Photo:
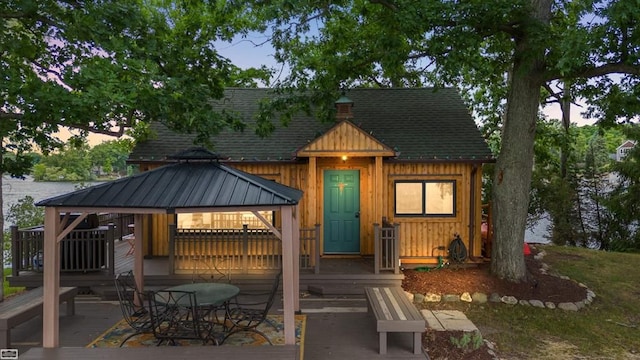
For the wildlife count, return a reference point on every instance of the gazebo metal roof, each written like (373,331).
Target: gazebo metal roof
(197,183)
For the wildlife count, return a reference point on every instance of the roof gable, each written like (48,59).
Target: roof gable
(345,138)
(627,144)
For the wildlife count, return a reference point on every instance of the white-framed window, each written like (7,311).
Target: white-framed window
(425,198)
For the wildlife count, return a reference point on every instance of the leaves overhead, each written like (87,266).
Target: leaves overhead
(110,66)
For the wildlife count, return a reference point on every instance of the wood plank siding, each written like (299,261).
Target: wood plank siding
(421,237)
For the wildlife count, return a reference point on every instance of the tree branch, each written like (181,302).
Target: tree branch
(10,116)
(385,3)
(595,71)
(95,130)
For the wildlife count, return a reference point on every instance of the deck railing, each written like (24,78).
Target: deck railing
(120,223)
(238,250)
(387,247)
(80,251)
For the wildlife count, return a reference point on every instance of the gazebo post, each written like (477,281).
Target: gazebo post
(51,279)
(138,253)
(288,277)
(296,259)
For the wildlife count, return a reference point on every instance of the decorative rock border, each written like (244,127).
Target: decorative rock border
(481,298)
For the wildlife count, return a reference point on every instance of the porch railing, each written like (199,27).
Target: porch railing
(310,248)
(80,251)
(387,247)
(238,250)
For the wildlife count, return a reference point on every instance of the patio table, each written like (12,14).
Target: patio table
(210,297)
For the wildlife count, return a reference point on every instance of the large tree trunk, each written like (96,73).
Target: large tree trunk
(512,178)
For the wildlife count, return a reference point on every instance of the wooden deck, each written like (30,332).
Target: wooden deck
(338,275)
(166,353)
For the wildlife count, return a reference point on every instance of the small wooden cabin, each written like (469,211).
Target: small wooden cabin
(409,157)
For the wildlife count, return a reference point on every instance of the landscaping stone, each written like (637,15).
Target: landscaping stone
(479,297)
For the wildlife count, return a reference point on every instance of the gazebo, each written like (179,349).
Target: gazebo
(196,182)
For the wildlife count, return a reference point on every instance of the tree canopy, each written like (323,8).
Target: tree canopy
(509,59)
(110,67)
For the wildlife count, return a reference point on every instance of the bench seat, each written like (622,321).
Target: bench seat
(22,307)
(395,313)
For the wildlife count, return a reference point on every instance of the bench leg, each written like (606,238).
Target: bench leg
(71,306)
(417,343)
(383,342)
(5,338)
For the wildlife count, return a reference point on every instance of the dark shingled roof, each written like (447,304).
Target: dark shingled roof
(186,184)
(419,124)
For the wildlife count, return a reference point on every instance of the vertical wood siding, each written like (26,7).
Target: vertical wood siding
(420,237)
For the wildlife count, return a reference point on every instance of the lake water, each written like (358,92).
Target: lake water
(16,189)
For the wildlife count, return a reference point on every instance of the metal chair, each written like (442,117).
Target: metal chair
(244,315)
(132,305)
(210,268)
(175,316)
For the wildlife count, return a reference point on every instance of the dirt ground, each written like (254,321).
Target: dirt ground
(457,280)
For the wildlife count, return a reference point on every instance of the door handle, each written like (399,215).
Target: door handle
(357,214)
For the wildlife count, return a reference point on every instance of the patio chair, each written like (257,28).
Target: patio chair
(132,305)
(175,316)
(244,314)
(211,269)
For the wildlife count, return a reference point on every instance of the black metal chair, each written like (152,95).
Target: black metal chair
(244,314)
(132,305)
(175,316)
(207,268)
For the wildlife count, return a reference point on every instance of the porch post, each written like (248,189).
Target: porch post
(376,248)
(288,278)
(51,279)
(312,194)
(379,190)
(396,248)
(317,253)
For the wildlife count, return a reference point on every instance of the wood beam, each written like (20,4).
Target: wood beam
(51,279)
(288,288)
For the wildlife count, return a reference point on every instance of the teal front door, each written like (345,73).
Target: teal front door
(341,212)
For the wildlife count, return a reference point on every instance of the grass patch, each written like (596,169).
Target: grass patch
(609,328)
(8,291)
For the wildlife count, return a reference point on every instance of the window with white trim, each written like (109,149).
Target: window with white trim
(425,198)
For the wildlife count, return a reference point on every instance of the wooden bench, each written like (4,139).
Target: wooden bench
(22,307)
(395,313)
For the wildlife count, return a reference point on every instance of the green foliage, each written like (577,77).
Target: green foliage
(111,67)
(623,202)
(8,290)
(23,214)
(83,164)
(111,156)
(499,53)
(469,341)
